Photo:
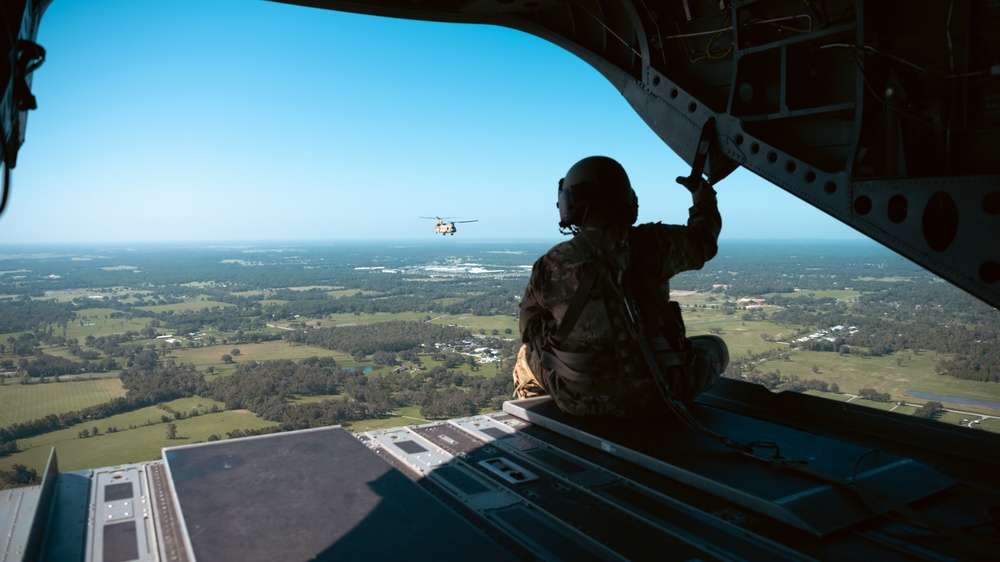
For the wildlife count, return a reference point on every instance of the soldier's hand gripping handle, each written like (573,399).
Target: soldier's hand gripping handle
(699,188)
(694,182)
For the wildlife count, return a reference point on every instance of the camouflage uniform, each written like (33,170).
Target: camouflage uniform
(598,384)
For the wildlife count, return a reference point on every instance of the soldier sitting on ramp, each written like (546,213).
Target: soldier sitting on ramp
(600,333)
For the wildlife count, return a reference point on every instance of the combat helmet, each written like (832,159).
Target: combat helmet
(596,188)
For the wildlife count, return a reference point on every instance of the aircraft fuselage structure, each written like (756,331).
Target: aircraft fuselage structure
(881,115)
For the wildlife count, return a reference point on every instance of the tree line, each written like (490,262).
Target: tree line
(394,336)
(24,314)
(269,388)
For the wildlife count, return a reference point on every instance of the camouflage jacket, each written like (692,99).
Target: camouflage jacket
(555,277)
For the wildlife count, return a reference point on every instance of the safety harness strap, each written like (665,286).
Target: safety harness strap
(575,308)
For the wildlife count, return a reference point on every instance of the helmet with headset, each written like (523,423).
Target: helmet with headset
(596,190)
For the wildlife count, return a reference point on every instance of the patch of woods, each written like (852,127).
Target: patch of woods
(929,410)
(23,314)
(18,476)
(269,389)
(44,366)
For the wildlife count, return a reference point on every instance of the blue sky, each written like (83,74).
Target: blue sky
(237,120)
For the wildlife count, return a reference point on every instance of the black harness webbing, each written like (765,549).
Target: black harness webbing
(575,308)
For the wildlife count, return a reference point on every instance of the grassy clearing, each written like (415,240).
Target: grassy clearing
(476,323)
(991,424)
(351,319)
(25,402)
(906,371)
(407,415)
(739,335)
(191,306)
(98,322)
(316,398)
(142,443)
(896,374)
(266,351)
(887,279)
(472,322)
(68,295)
(953,418)
(349,293)
(873,404)
(830,395)
(839,294)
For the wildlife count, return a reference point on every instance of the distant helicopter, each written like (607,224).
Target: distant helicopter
(443,227)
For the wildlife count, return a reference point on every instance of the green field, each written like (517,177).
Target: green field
(136,441)
(98,322)
(316,398)
(992,424)
(338,293)
(830,395)
(25,402)
(266,351)
(896,374)
(407,415)
(351,319)
(886,279)
(873,404)
(476,323)
(472,322)
(839,294)
(185,306)
(142,443)
(739,335)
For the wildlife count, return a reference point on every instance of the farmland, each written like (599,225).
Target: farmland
(23,402)
(856,323)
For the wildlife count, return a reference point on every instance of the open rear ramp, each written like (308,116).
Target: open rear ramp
(534,483)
